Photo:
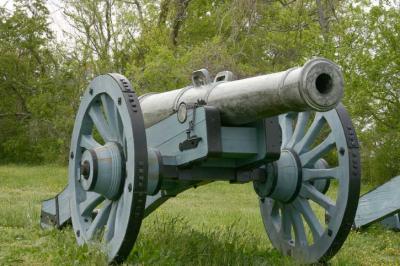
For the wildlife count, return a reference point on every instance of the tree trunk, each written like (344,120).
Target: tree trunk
(179,18)
(323,21)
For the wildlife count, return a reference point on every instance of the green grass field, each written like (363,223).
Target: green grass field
(218,224)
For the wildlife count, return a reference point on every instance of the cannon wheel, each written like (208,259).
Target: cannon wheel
(313,226)
(108,167)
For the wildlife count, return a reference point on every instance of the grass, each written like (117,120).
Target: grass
(218,224)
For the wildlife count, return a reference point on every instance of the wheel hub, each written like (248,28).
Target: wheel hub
(284,178)
(101,170)
(288,177)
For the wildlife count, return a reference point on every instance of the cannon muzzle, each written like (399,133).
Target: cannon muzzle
(318,85)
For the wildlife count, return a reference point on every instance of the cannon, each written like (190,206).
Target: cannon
(285,132)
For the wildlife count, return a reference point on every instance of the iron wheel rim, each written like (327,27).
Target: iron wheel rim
(285,222)
(116,225)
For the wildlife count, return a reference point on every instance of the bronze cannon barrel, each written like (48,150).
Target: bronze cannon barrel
(318,85)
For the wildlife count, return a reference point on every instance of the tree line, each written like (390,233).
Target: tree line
(157,45)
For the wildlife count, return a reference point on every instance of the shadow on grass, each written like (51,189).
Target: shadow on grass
(172,240)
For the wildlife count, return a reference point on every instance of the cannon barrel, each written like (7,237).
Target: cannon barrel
(318,85)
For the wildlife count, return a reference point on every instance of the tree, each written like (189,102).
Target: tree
(372,70)
(26,64)
(157,44)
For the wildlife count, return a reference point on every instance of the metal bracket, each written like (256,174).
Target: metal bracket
(224,76)
(56,211)
(257,175)
(192,141)
(201,77)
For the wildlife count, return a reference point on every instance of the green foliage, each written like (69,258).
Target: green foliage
(367,53)
(25,63)
(157,45)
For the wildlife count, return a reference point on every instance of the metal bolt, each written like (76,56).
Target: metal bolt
(72,155)
(85,170)
(119,100)
(130,187)
(91,91)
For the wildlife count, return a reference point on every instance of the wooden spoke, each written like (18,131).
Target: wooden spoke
(310,174)
(303,206)
(100,220)
(309,191)
(92,201)
(88,142)
(100,123)
(311,134)
(300,129)
(309,158)
(286,122)
(298,226)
